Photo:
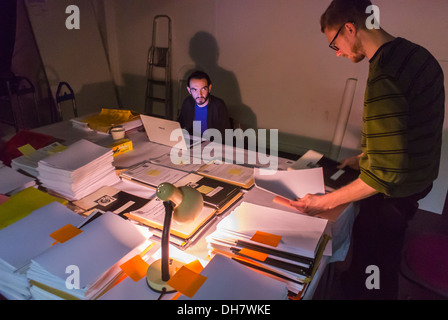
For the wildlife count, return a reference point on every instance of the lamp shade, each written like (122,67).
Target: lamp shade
(188,202)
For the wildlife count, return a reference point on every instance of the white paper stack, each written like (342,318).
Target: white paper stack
(26,239)
(28,163)
(88,264)
(13,181)
(79,170)
(246,234)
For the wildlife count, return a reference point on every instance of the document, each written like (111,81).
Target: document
(291,184)
(231,173)
(152,175)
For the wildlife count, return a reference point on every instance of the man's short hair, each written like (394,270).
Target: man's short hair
(340,12)
(199,75)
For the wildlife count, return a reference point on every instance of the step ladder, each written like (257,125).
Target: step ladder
(158,100)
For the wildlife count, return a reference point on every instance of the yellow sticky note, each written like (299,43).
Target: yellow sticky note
(65,233)
(266,238)
(186,281)
(234,172)
(205,189)
(153,173)
(260,256)
(135,268)
(27,150)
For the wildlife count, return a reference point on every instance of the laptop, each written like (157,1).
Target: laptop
(159,131)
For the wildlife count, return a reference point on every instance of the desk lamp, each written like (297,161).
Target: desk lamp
(183,204)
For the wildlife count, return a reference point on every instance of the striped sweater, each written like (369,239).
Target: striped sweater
(402,119)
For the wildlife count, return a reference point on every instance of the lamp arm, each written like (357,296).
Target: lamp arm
(166,239)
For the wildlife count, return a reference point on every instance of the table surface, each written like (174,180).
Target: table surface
(340,219)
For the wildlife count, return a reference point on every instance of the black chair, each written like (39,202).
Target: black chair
(14,88)
(65,95)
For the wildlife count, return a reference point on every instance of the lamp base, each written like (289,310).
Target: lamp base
(154,275)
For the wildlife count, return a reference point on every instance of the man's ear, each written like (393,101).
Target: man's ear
(210,88)
(189,91)
(350,28)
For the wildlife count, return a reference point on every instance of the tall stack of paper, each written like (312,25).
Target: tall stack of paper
(26,239)
(280,243)
(79,170)
(86,265)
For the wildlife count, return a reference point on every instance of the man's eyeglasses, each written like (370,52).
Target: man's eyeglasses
(332,45)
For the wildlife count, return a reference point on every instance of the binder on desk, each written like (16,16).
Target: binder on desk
(217,194)
(231,173)
(153,214)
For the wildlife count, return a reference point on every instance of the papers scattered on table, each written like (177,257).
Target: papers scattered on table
(92,258)
(79,170)
(280,243)
(26,239)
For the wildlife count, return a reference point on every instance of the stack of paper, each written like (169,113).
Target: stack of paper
(28,162)
(226,279)
(280,243)
(79,170)
(26,239)
(89,263)
(13,181)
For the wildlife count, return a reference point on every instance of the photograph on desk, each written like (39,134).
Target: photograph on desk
(109,198)
(286,245)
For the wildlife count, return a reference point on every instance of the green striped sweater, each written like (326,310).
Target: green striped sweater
(402,119)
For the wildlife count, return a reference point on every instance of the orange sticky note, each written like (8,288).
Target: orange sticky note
(260,256)
(195,266)
(266,238)
(65,233)
(186,281)
(135,268)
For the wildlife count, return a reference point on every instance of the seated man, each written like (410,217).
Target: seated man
(201,106)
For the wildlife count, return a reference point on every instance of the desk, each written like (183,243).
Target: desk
(341,220)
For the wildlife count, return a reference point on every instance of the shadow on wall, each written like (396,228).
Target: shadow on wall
(204,51)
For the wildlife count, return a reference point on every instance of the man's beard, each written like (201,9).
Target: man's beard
(201,101)
(358,52)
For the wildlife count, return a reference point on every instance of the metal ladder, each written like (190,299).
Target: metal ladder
(158,73)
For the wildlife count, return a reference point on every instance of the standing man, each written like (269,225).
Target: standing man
(401,143)
(201,106)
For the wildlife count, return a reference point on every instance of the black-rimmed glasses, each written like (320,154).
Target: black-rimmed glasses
(332,45)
